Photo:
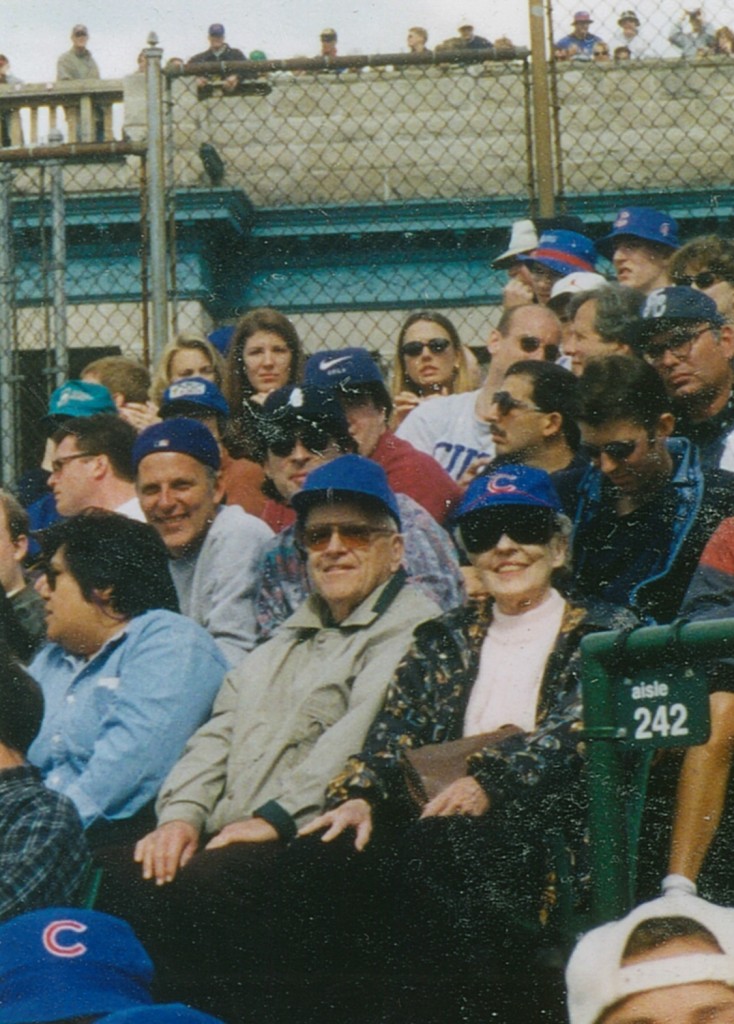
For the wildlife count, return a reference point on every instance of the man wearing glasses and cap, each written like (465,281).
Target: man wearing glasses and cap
(691,345)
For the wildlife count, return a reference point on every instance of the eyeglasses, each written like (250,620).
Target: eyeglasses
(81,35)
(506,403)
(58,464)
(415,348)
(601,52)
(482,530)
(680,343)
(312,438)
(354,536)
(705,279)
(617,451)
(529,343)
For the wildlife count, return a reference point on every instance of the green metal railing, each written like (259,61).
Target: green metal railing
(643,690)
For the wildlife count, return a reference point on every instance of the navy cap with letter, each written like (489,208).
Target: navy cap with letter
(196,392)
(188,437)
(676,306)
(509,485)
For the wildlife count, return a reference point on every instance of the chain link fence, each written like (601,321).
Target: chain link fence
(643,101)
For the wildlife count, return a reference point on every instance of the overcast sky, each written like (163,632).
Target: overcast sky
(35,32)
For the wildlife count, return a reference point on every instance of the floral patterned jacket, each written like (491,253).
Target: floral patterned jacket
(427,699)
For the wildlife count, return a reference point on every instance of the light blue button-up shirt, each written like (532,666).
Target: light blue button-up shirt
(115,724)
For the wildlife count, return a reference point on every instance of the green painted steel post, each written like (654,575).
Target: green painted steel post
(156,180)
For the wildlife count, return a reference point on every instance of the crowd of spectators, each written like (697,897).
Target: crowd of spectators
(265,583)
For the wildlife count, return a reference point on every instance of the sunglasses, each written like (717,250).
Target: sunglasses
(705,279)
(415,348)
(617,451)
(679,343)
(312,438)
(601,53)
(482,530)
(354,536)
(529,343)
(506,403)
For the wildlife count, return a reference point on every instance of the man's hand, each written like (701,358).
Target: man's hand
(252,830)
(139,414)
(166,850)
(465,796)
(356,814)
(519,290)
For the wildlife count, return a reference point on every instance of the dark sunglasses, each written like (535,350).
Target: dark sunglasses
(705,279)
(354,536)
(415,348)
(312,438)
(529,343)
(482,530)
(679,343)
(617,451)
(506,403)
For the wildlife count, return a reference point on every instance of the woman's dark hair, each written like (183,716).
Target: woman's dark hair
(105,551)
(237,386)
(621,388)
(21,705)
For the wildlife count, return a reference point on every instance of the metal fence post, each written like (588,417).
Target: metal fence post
(7,307)
(541,110)
(156,197)
(58,265)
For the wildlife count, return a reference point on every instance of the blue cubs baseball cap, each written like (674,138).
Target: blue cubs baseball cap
(676,306)
(349,476)
(79,398)
(640,222)
(509,484)
(342,367)
(189,437)
(193,394)
(67,962)
(563,252)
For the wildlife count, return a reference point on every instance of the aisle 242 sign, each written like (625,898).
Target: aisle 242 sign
(667,706)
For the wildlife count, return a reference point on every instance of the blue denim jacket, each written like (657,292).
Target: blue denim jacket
(115,724)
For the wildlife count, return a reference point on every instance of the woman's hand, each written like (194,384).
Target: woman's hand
(464,796)
(356,814)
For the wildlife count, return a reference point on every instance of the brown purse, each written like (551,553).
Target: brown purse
(428,770)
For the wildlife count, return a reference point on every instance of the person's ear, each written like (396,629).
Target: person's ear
(665,425)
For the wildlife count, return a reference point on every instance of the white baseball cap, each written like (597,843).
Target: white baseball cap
(572,284)
(523,239)
(596,979)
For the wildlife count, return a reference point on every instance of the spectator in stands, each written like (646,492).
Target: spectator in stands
(354,377)
(429,361)
(604,321)
(558,254)
(468,40)
(126,679)
(6,78)
(707,263)
(77,63)
(523,239)
(456,429)
(43,854)
(296,708)
(629,36)
(328,40)
(646,507)
(691,345)
(417,40)
(188,355)
(214,551)
(622,53)
(600,54)
(724,42)
(579,43)
(670,960)
(72,965)
(24,620)
(265,354)
(692,35)
(481,838)
(92,466)
(129,384)
(533,422)
(302,428)
(199,399)
(220,53)
(560,300)
(641,245)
